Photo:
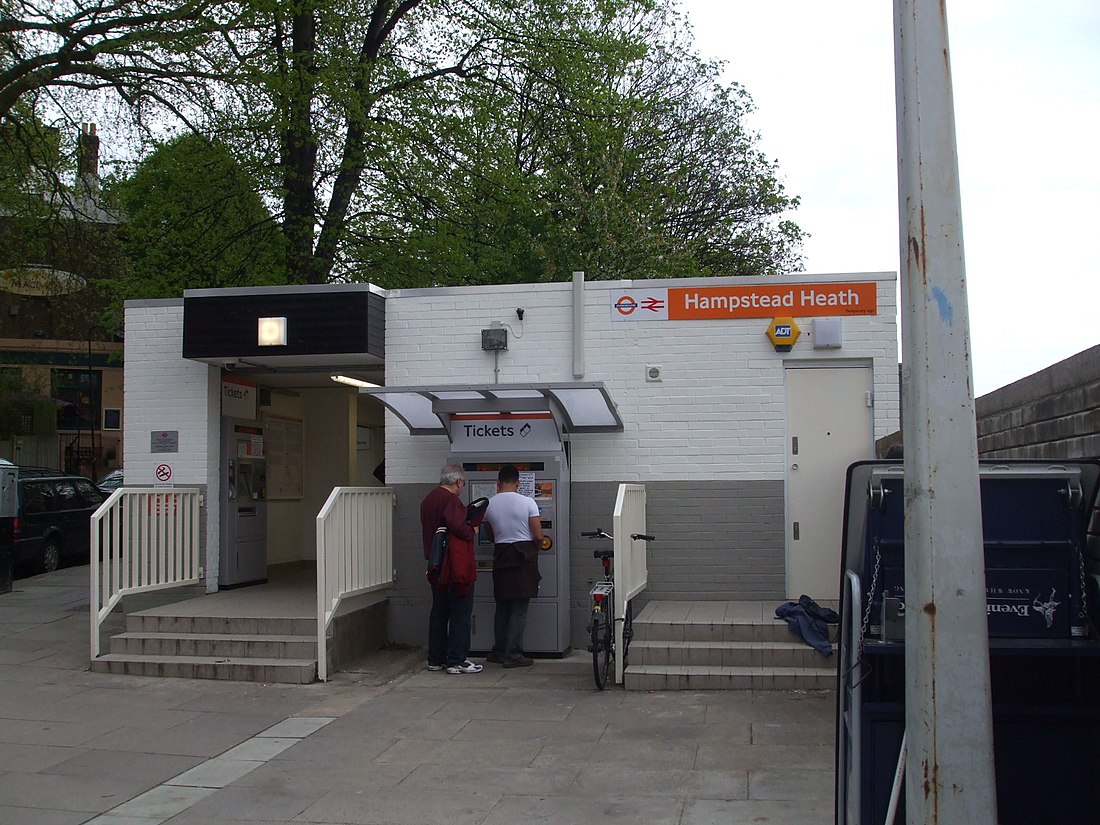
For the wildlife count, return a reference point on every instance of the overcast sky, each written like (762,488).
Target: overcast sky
(1026,79)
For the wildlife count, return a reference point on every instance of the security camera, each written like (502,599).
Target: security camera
(519,314)
(229,366)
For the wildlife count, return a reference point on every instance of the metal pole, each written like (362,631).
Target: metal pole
(92,408)
(949,729)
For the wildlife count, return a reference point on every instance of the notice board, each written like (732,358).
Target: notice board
(284,457)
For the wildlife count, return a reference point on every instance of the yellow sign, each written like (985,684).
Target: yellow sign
(40,280)
(783,332)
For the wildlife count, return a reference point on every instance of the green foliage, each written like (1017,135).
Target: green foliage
(193,220)
(633,165)
(31,164)
(425,142)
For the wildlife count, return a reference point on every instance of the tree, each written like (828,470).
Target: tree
(136,48)
(56,240)
(337,85)
(481,139)
(193,219)
(638,167)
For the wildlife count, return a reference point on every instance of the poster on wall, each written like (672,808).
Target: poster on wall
(283,437)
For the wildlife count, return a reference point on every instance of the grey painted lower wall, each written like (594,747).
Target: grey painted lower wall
(716,540)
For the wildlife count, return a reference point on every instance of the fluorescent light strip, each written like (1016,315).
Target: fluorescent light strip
(352,382)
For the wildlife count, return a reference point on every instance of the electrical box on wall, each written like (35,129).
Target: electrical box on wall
(494,339)
(828,333)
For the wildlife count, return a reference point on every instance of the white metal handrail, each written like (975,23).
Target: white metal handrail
(142,539)
(848,745)
(631,571)
(354,553)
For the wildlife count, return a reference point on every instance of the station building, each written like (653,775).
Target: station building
(737,402)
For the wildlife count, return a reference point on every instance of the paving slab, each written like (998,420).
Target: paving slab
(387,743)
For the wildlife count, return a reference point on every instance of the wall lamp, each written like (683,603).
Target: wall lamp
(271,332)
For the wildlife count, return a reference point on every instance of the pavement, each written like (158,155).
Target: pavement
(387,743)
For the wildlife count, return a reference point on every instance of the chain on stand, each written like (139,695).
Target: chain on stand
(870,600)
(1083,612)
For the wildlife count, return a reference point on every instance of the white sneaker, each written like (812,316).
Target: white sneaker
(465,667)
(434,667)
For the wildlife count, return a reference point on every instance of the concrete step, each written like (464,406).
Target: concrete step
(735,630)
(265,626)
(278,671)
(219,645)
(698,677)
(785,654)
(735,645)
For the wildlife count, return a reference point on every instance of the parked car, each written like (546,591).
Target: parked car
(110,482)
(53,518)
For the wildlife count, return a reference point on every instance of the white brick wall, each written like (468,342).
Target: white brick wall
(166,392)
(718,413)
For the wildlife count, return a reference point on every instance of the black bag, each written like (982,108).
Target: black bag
(825,614)
(438,554)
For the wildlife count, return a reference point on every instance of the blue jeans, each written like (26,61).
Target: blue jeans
(509,623)
(449,627)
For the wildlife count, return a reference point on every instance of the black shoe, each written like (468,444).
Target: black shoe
(494,657)
(523,661)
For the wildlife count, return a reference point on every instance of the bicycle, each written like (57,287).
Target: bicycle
(602,599)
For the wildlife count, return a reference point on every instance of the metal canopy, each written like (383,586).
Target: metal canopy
(577,407)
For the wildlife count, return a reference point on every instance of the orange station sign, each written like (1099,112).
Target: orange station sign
(754,301)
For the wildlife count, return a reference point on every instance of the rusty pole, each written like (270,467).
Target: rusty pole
(949,729)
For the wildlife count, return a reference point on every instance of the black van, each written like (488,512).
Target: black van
(52,524)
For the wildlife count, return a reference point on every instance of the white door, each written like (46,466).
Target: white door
(829,426)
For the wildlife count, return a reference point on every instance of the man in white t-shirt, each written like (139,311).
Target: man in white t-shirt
(512,520)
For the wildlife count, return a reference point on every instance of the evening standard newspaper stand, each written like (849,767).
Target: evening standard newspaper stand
(1044,653)
(525,425)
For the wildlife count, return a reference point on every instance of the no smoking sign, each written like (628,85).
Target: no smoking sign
(163,474)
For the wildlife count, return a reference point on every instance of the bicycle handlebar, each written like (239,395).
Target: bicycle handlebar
(598,533)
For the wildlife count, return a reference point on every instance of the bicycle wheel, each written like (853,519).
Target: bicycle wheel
(602,643)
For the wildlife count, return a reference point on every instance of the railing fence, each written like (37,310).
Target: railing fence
(142,539)
(631,573)
(354,553)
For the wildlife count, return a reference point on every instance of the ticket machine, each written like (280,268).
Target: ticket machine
(243,554)
(528,426)
(481,445)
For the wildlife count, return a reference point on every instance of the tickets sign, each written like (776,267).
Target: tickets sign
(755,301)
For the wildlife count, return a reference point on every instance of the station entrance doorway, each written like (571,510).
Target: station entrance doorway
(527,426)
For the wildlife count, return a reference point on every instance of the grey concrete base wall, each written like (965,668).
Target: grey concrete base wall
(356,634)
(716,540)
(136,602)
(410,596)
(1054,413)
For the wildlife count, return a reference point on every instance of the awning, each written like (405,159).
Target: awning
(577,407)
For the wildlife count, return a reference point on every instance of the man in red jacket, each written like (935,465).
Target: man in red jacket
(453,591)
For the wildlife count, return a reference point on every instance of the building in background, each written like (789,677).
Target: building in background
(60,367)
